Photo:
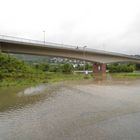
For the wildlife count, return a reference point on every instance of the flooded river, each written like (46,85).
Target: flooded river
(87,110)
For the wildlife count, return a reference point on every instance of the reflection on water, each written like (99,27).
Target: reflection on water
(106,110)
(32,90)
(18,97)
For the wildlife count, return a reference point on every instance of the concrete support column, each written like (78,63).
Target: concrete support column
(99,71)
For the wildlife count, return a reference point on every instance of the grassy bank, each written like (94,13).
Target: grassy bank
(56,77)
(49,77)
(132,75)
(29,79)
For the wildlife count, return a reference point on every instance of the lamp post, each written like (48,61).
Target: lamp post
(44,36)
(84,57)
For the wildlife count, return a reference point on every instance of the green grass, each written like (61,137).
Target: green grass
(56,77)
(49,77)
(126,75)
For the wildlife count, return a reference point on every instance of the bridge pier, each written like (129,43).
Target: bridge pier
(99,71)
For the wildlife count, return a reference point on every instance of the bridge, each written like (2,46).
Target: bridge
(9,44)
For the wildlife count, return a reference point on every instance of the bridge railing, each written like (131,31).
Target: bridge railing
(31,41)
(12,38)
(42,43)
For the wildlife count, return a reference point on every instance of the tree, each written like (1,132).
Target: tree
(137,66)
(67,68)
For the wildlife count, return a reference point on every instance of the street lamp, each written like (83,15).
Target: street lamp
(84,56)
(44,36)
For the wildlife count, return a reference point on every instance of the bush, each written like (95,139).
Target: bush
(55,68)
(42,67)
(10,67)
(67,68)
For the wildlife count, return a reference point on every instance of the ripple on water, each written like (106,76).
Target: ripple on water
(102,111)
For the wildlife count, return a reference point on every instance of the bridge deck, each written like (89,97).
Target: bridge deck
(23,41)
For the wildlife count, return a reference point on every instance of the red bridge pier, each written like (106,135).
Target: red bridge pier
(99,71)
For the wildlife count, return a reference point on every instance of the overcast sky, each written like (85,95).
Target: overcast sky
(111,25)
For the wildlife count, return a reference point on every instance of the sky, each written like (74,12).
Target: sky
(110,25)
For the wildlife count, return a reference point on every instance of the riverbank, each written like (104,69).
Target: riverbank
(49,77)
(132,75)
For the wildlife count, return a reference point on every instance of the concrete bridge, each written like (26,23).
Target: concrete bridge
(99,58)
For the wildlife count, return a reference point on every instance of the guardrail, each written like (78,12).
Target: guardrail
(24,40)
(42,43)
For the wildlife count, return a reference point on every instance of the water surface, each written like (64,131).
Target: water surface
(88,110)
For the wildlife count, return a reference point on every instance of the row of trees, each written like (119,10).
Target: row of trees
(68,68)
(121,68)
(65,68)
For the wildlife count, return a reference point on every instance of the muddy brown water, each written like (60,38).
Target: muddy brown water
(87,110)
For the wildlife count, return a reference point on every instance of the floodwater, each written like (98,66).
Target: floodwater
(88,110)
